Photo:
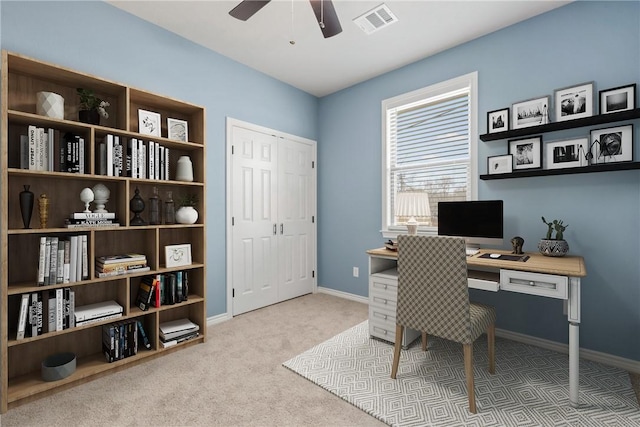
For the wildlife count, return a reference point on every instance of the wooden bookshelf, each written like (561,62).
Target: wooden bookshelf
(20,360)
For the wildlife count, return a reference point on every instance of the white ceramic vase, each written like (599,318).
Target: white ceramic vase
(184,170)
(101,193)
(186,215)
(50,104)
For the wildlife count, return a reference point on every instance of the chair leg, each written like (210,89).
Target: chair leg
(468,368)
(396,350)
(424,341)
(491,346)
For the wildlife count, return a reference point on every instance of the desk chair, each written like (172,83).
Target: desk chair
(433,298)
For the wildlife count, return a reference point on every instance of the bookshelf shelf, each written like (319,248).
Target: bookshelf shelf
(20,360)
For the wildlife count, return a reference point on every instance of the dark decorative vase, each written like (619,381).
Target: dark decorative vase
(136,204)
(89,116)
(26,206)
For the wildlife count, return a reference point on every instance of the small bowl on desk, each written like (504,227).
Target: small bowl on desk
(391,245)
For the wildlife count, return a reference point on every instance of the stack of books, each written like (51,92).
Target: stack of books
(115,265)
(177,331)
(92,313)
(92,219)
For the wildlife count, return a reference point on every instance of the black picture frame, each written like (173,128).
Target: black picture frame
(527,152)
(617,99)
(574,102)
(612,145)
(498,120)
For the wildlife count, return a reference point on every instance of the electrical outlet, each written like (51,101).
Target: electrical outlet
(356,272)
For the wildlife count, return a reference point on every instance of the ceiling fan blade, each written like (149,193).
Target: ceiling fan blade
(326,14)
(247,8)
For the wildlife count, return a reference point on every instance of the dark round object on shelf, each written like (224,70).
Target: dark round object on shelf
(58,366)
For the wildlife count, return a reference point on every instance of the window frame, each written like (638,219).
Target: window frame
(431,92)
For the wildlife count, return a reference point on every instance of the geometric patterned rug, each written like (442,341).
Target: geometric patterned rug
(530,386)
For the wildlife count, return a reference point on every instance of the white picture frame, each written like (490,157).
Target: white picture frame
(177,255)
(618,99)
(574,102)
(612,145)
(527,152)
(149,123)
(497,165)
(568,153)
(177,129)
(533,112)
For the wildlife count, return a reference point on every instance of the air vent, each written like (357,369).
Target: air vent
(376,19)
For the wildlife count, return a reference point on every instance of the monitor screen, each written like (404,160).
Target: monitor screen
(479,222)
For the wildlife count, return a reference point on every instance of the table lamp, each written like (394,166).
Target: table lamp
(412,204)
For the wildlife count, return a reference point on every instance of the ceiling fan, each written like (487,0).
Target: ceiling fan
(325,14)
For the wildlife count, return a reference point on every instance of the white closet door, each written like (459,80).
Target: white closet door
(254,207)
(296,204)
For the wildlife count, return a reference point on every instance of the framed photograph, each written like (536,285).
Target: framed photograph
(529,113)
(574,102)
(498,120)
(177,255)
(500,164)
(612,145)
(527,152)
(148,123)
(570,153)
(618,99)
(177,129)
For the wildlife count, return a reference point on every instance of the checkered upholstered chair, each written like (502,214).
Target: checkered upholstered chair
(433,298)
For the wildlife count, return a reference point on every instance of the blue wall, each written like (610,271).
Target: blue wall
(97,38)
(524,61)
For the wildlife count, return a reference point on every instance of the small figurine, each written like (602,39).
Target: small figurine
(517,243)
(43,206)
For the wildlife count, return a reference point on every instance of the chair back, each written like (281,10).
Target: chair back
(433,295)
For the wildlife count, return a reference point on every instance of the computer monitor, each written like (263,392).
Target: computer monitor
(479,222)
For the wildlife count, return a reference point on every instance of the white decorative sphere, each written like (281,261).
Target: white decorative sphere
(102,194)
(86,195)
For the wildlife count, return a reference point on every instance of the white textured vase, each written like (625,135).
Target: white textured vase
(50,104)
(101,197)
(186,215)
(184,171)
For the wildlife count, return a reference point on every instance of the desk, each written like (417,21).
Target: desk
(540,275)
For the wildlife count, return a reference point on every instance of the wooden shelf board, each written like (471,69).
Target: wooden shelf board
(607,167)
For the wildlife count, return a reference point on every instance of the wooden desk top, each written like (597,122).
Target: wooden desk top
(568,265)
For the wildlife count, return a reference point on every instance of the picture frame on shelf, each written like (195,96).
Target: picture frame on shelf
(574,102)
(177,129)
(497,165)
(149,123)
(568,153)
(177,255)
(532,112)
(618,99)
(527,152)
(612,145)
(498,120)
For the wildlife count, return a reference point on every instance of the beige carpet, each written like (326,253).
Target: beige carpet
(235,379)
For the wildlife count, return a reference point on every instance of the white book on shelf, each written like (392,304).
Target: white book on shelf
(109,159)
(79,260)
(151,157)
(72,308)
(96,310)
(166,163)
(67,261)
(47,260)
(43,246)
(60,270)
(133,148)
(52,310)
(156,162)
(50,149)
(81,153)
(31,135)
(117,156)
(53,265)
(143,159)
(73,259)
(22,316)
(42,152)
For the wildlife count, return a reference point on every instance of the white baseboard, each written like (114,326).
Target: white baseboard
(218,319)
(345,295)
(595,356)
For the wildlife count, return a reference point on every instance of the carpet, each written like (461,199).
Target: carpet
(530,386)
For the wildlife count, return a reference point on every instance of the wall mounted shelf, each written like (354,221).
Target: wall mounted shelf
(606,167)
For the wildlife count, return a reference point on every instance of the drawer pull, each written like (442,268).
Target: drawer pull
(383,331)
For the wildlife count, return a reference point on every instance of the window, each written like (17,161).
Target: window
(428,156)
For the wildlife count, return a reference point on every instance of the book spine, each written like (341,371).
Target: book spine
(60,271)
(152,151)
(118,259)
(108,344)
(22,316)
(41,262)
(81,165)
(143,335)
(24,152)
(166,163)
(52,310)
(93,215)
(72,308)
(39,313)
(97,319)
(143,160)
(118,267)
(50,148)
(31,134)
(47,261)
(59,309)
(67,262)
(79,260)
(156,162)
(133,146)
(85,257)
(34,314)
(73,259)
(121,273)
(109,155)
(102,266)
(40,149)
(65,308)
(161,160)
(53,267)
(117,156)
(185,285)
(102,159)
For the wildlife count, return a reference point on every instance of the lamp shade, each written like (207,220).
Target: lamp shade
(412,203)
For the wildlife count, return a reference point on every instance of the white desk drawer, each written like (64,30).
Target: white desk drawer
(546,285)
(383,292)
(382,316)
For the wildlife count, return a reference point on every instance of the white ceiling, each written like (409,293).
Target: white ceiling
(322,66)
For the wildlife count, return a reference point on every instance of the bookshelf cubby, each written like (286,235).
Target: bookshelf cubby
(20,364)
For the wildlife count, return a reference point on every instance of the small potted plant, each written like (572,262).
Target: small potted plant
(187,214)
(554,246)
(91,107)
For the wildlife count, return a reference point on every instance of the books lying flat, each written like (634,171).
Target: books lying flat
(98,319)
(175,328)
(120,272)
(179,339)
(97,310)
(93,215)
(112,259)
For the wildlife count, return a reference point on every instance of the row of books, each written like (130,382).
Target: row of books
(62,260)
(60,311)
(133,157)
(162,289)
(92,219)
(116,265)
(38,148)
(120,340)
(177,331)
